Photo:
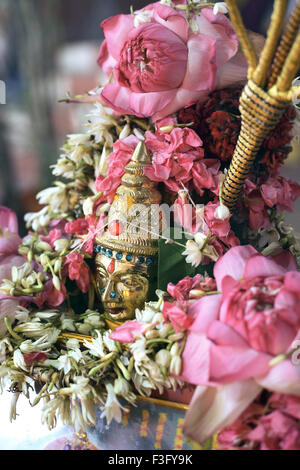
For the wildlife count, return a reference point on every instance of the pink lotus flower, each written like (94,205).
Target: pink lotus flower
(236,335)
(162,66)
(128,332)
(117,160)
(9,242)
(78,271)
(9,238)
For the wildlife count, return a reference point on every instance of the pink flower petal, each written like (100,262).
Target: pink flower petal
(201,66)
(121,99)
(282,378)
(204,312)
(212,409)
(172,20)
(262,266)
(196,359)
(127,332)
(8,220)
(116,30)
(233,263)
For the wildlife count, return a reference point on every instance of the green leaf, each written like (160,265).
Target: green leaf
(172,266)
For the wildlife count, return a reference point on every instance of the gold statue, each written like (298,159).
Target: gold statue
(127,250)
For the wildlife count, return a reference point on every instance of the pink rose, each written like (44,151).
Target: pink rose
(162,66)
(235,335)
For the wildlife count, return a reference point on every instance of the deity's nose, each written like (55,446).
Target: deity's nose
(110,293)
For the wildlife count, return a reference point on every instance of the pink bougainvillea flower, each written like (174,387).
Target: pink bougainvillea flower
(117,160)
(162,66)
(173,156)
(236,335)
(78,271)
(176,313)
(129,331)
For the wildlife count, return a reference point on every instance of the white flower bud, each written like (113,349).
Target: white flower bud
(44,246)
(56,282)
(163,357)
(222,212)
(19,359)
(125,132)
(164,330)
(176,336)
(175,365)
(166,129)
(61,244)
(57,265)
(220,7)
(174,349)
(152,334)
(158,318)
(121,387)
(44,260)
(88,206)
(200,239)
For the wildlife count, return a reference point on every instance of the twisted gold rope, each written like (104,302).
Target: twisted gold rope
(285,44)
(242,35)
(261,71)
(290,67)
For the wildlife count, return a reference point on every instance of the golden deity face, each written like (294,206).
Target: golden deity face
(122,282)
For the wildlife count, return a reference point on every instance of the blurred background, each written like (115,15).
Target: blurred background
(47,49)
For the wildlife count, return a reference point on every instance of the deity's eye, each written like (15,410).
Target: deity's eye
(130,282)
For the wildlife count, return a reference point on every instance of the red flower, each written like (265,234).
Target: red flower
(181,290)
(78,271)
(78,226)
(34,357)
(50,296)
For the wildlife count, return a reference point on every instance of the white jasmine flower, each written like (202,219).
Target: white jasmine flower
(13,406)
(143,16)
(176,365)
(142,385)
(139,134)
(222,212)
(164,329)
(56,197)
(123,389)
(163,357)
(96,346)
(64,167)
(19,360)
(109,343)
(67,323)
(125,132)
(146,315)
(37,219)
(138,349)
(78,139)
(168,3)
(220,7)
(101,163)
(193,253)
(88,206)
(200,238)
(112,408)
(61,244)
